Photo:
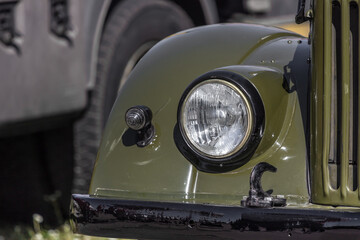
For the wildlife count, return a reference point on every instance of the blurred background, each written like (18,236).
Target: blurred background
(62,64)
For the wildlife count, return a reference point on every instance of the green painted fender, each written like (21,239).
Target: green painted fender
(272,59)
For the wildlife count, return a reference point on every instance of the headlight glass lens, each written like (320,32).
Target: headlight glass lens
(216,118)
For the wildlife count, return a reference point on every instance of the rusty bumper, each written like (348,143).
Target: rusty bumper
(163,220)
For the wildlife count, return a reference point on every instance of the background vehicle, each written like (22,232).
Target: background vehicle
(62,63)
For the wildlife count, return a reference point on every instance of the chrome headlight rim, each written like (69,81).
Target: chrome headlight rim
(249,118)
(211,164)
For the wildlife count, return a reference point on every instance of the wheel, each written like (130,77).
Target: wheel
(131,29)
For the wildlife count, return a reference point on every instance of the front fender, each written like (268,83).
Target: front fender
(159,171)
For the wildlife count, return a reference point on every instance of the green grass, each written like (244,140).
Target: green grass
(29,233)
(37,232)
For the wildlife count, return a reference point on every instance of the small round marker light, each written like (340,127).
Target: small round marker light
(138,118)
(135,118)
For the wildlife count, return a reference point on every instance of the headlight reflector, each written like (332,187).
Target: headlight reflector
(216,118)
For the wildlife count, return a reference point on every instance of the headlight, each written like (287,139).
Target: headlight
(216,118)
(220,121)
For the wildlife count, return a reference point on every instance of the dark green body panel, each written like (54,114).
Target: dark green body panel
(159,171)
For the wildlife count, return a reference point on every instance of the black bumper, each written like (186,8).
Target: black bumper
(163,220)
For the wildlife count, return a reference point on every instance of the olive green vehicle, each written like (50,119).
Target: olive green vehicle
(235,131)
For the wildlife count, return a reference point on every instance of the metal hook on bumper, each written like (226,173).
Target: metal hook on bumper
(257,196)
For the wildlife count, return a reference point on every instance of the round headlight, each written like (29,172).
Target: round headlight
(216,118)
(220,121)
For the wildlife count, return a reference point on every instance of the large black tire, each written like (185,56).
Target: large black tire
(130,26)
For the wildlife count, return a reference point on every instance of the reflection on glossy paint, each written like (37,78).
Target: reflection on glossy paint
(254,73)
(287,158)
(265,37)
(143,163)
(277,143)
(191,183)
(155,143)
(195,183)
(115,143)
(188,182)
(284,148)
